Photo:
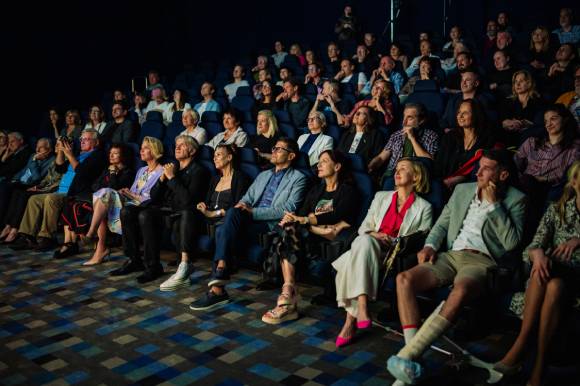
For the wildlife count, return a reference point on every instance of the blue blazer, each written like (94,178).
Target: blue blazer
(288,196)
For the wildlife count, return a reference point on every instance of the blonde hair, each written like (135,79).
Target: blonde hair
(155,145)
(194,114)
(545,36)
(421,185)
(529,78)
(569,191)
(272,122)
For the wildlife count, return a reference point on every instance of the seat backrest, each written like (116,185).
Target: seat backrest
(213,128)
(357,163)
(249,128)
(154,116)
(330,117)
(211,116)
(282,116)
(176,116)
(152,129)
(287,130)
(364,185)
(243,102)
(433,101)
(335,132)
(244,91)
(251,170)
(302,161)
(426,85)
(209,165)
(205,153)
(247,155)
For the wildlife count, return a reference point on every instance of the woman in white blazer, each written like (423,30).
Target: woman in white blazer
(316,142)
(392,214)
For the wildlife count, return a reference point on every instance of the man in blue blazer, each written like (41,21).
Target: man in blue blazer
(481,223)
(272,193)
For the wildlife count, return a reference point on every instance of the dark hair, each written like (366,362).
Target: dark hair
(235,113)
(505,161)
(122,103)
(287,69)
(183,99)
(291,144)
(294,82)
(422,114)
(127,154)
(242,67)
(339,157)
(569,127)
(504,52)
(428,59)
(371,121)
(231,150)
(398,45)
(477,118)
(467,55)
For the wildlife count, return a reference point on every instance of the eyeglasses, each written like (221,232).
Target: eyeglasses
(278,148)
(81,139)
(313,119)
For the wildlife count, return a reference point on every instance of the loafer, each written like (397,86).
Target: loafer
(127,268)
(210,300)
(23,242)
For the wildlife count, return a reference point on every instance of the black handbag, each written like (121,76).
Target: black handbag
(403,252)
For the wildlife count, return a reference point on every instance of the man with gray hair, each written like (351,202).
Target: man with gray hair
(183,186)
(14,157)
(42,211)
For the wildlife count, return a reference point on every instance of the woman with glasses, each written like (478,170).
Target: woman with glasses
(96,119)
(362,138)
(314,143)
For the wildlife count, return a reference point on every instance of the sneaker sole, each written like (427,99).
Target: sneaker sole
(175,286)
(218,282)
(285,318)
(210,307)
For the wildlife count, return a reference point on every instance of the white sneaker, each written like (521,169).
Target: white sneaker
(179,279)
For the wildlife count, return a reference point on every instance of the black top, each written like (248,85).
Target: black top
(220,200)
(85,173)
(263,144)
(370,145)
(503,79)
(449,118)
(511,108)
(240,183)
(123,179)
(123,132)
(344,206)
(298,111)
(452,154)
(187,188)
(15,162)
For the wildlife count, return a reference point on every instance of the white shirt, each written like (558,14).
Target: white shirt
(169,112)
(355,142)
(161,107)
(232,88)
(198,133)
(239,138)
(99,127)
(362,79)
(470,236)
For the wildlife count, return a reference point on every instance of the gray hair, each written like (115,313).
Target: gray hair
(193,112)
(94,133)
(190,142)
(320,116)
(16,134)
(46,140)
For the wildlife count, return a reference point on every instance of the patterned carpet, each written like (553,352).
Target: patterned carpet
(64,324)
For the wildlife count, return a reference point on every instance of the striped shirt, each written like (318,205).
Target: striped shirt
(548,161)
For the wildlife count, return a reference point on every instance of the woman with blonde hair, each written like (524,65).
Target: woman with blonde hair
(540,54)
(554,255)
(108,202)
(392,214)
(266,135)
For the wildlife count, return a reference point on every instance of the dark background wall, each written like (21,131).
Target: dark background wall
(67,54)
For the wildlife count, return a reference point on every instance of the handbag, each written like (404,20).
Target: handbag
(403,249)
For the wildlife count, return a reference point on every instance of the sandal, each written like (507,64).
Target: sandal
(286,307)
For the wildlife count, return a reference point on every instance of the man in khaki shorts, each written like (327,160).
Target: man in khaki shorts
(481,223)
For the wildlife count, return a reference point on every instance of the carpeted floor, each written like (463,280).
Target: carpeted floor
(64,324)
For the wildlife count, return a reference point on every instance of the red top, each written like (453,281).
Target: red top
(392,221)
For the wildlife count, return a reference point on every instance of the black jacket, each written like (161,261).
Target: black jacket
(15,162)
(240,183)
(187,188)
(85,173)
(370,145)
(344,204)
(123,132)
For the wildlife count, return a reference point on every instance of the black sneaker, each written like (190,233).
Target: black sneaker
(219,277)
(210,300)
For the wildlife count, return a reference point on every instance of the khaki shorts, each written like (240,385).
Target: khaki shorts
(452,266)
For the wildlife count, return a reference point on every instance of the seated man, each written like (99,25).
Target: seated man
(120,129)
(207,103)
(15,157)
(274,192)
(79,172)
(296,105)
(481,223)
(182,188)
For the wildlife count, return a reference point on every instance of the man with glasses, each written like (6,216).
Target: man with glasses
(273,193)
(120,129)
(41,215)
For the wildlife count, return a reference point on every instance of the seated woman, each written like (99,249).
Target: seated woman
(461,148)
(426,72)
(363,138)
(190,120)
(225,190)
(380,102)
(263,76)
(518,112)
(396,52)
(267,100)
(108,202)
(392,214)
(179,104)
(553,284)
(540,54)
(266,136)
(543,161)
(73,128)
(328,209)
(316,142)
(96,119)
(78,210)
(233,133)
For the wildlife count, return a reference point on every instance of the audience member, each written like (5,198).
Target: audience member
(273,193)
(347,75)
(329,100)
(332,61)
(263,76)
(392,214)
(179,104)
(346,27)
(266,136)
(296,105)
(501,77)
(207,103)
(158,103)
(396,53)
(561,73)
(328,210)
(315,142)
(455,38)
(481,223)
(489,41)
(233,133)
(363,138)
(567,33)
(72,129)
(140,107)
(153,81)
(540,54)
(285,74)
(388,73)
(571,99)
(14,157)
(238,74)
(261,65)
(279,55)
(314,76)
(470,83)
(121,129)
(426,72)
(380,103)
(96,119)
(54,124)
(297,51)
(190,120)
(425,48)
(267,100)
(463,61)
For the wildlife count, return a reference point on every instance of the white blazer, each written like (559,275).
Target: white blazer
(323,142)
(419,216)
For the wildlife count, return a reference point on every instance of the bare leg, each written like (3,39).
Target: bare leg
(99,214)
(184,257)
(549,319)
(348,327)
(463,292)
(5,231)
(288,272)
(12,235)
(362,305)
(409,283)
(101,251)
(535,294)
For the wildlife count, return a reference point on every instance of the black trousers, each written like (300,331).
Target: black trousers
(16,206)
(185,225)
(144,225)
